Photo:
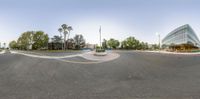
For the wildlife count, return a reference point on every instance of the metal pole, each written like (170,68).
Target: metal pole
(159,41)
(100,36)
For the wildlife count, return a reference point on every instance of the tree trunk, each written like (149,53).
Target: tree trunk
(67,39)
(61,41)
(64,41)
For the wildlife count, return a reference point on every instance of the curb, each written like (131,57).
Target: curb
(47,57)
(161,52)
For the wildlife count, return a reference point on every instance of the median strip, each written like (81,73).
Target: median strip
(92,59)
(47,57)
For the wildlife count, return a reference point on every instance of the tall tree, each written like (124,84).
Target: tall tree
(69,28)
(13,44)
(26,40)
(132,43)
(40,40)
(79,41)
(4,44)
(56,39)
(66,30)
(124,45)
(112,43)
(60,31)
(104,44)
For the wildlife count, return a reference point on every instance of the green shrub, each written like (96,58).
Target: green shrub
(100,50)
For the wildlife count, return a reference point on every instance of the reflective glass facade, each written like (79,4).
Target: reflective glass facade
(181,35)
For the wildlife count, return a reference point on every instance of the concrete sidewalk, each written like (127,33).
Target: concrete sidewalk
(43,56)
(110,56)
(177,53)
(87,55)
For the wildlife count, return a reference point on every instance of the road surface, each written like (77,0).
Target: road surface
(134,75)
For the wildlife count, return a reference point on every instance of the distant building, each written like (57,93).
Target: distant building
(153,46)
(182,38)
(70,44)
(55,46)
(90,46)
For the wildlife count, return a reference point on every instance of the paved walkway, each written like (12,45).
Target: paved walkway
(43,56)
(110,56)
(177,53)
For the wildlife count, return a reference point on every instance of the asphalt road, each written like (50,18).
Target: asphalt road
(135,75)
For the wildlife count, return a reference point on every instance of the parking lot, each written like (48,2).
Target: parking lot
(133,75)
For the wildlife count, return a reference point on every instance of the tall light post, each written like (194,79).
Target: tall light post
(100,36)
(158,34)
(4,44)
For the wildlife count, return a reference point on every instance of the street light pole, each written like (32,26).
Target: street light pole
(100,36)
(159,41)
(158,34)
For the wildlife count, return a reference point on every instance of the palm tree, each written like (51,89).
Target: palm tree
(66,30)
(69,29)
(4,44)
(60,30)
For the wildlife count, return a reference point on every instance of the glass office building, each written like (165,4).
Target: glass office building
(182,38)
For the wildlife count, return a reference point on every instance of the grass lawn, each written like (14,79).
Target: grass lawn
(195,51)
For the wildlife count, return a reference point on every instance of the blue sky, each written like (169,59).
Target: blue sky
(118,18)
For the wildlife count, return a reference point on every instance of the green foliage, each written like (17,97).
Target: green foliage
(79,41)
(112,43)
(66,30)
(132,43)
(32,39)
(154,47)
(25,40)
(104,44)
(40,40)
(13,45)
(100,49)
(56,39)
